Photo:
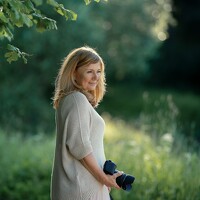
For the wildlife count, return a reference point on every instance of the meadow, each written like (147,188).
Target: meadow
(165,166)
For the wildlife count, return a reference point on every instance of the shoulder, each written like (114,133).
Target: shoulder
(78,95)
(73,103)
(75,98)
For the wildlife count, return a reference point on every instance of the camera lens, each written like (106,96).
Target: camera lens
(124,181)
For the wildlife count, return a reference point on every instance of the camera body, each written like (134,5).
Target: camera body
(124,181)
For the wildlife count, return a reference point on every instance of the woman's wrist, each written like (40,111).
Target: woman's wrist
(103,178)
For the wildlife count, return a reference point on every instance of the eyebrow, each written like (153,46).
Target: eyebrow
(87,67)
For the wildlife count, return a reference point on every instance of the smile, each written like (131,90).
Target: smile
(92,83)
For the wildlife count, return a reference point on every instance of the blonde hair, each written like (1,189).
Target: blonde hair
(65,83)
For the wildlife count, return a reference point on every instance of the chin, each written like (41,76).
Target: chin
(92,89)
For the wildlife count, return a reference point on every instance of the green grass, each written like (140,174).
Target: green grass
(25,167)
(164,165)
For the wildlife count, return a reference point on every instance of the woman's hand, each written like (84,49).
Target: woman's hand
(91,165)
(111,180)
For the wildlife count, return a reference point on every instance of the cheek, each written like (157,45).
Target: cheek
(81,79)
(85,77)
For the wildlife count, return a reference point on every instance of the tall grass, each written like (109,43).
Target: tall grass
(165,166)
(162,171)
(130,100)
(25,167)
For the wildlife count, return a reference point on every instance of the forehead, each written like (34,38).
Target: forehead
(93,66)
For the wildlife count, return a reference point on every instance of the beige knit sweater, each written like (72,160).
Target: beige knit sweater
(80,131)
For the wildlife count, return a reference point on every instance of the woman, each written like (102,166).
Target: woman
(79,154)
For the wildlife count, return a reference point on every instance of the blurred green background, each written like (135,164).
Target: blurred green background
(152,106)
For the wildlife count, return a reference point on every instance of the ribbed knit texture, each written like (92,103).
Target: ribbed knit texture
(80,131)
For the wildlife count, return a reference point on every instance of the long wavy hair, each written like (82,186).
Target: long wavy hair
(65,83)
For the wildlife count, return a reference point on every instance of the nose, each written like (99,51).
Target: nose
(95,76)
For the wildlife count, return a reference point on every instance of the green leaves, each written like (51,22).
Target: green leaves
(60,9)
(3,17)
(44,23)
(89,1)
(14,54)
(5,32)
(19,13)
(16,13)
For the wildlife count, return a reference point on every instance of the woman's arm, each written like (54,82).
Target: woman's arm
(90,163)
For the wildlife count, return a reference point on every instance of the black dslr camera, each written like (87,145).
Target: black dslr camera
(124,181)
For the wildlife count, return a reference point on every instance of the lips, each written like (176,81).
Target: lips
(92,83)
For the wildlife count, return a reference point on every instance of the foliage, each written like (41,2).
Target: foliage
(18,13)
(165,167)
(14,53)
(98,25)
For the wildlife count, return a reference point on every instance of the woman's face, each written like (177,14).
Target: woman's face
(88,76)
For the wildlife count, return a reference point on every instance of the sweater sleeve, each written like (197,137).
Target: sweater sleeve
(77,126)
